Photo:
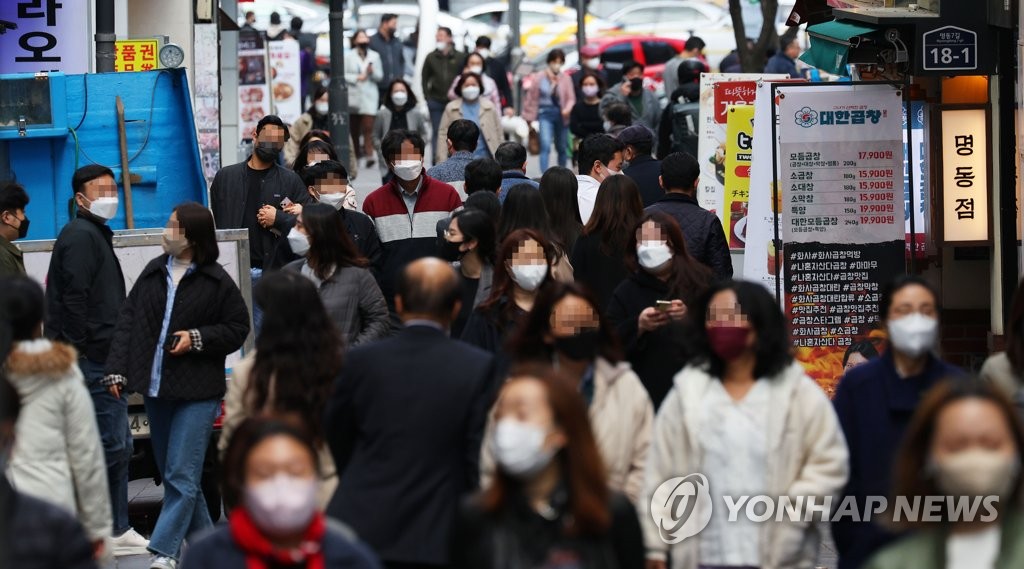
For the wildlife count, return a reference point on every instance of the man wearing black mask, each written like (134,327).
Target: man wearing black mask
(13,225)
(642,102)
(254,193)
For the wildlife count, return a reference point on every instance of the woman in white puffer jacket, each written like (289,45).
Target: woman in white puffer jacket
(58,455)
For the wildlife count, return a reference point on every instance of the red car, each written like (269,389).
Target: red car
(652,52)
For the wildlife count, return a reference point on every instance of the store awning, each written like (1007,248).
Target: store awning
(831,43)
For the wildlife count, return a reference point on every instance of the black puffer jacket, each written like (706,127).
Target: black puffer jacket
(207,300)
(38,535)
(705,237)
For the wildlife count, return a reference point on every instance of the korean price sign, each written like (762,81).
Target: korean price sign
(136,55)
(51,36)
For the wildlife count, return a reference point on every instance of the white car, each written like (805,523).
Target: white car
(542,24)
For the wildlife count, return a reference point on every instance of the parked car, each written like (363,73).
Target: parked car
(652,51)
(543,25)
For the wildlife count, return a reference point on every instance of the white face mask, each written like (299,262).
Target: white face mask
(470,93)
(590,90)
(653,255)
(592,63)
(529,277)
(476,69)
(484,53)
(913,335)
(399,98)
(322,107)
(976,472)
(442,45)
(613,172)
(333,200)
(408,170)
(606,125)
(519,448)
(282,505)
(174,246)
(103,208)
(298,242)
(555,68)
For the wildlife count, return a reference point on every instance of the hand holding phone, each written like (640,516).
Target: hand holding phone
(663,305)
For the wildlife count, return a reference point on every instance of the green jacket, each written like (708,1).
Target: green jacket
(11,261)
(927,549)
(439,71)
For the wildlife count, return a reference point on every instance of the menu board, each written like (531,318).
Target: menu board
(739,144)
(286,79)
(253,88)
(842,216)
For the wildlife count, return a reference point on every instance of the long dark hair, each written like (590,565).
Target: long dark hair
(249,434)
(501,288)
(299,350)
(772,351)
(582,470)
(558,188)
(23,306)
(330,247)
(616,211)
(528,342)
(689,277)
(524,209)
(1015,332)
(197,223)
(475,224)
(320,91)
(410,102)
(302,158)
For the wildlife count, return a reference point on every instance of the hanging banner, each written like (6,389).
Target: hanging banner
(717,92)
(739,145)
(253,82)
(207,108)
(286,79)
(136,55)
(915,160)
(49,36)
(841,217)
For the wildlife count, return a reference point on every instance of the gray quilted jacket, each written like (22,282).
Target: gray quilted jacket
(353,301)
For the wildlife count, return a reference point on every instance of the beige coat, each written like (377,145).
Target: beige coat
(237,408)
(807,456)
(621,416)
(490,125)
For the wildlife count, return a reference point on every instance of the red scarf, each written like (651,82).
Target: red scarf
(259,551)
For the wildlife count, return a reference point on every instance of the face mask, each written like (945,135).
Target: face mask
(519,448)
(484,53)
(399,98)
(613,172)
(636,84)
(267,151)
(606,125)
(174,246)
(592,63)
(333,200)
(408,170)
(581,346)
(362,46)
(913,335)
(976,472)
(728,342)
(450,251)
(470,93)
(442,45)
(282,505)
(103,208)
(298,242)
(22,229)
(322,107)
(529,277)
(653,254)
(590,90)
(476,69)
(556,68)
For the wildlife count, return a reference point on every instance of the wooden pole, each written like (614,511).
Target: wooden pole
(126,177)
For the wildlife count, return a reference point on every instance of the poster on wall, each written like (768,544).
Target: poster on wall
(46,36)
(286,79)
(915,166)
(739,144)
(207,111)
(253,82)
(136,55)
(841,218)
(717,92)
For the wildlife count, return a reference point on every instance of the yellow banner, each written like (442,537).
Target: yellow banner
(136,55)
(739,133)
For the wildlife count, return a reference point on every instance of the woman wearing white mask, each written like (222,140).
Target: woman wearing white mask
(523,266)
(649,308)
(398,111)
(270,485)
(964,441)
(363,72)
(330,259)
(549,504)
(549,100)
(875,402)
(183,317)
(472,106)
(316,117)
(475,63)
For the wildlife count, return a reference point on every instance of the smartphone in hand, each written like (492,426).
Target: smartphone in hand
(172,342)
(285,202)
(663,305)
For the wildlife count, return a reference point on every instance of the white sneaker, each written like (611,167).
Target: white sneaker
(163,562)
(129,543)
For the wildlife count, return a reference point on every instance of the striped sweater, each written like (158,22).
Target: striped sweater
(404,240)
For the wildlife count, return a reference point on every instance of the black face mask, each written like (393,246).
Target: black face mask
(268,151)
(450,251)
(636,84)
(362,46)
(580,347)
(22,229)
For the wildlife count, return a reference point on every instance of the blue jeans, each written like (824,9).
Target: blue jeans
(552,129)
(257,314)
(112,420)
(180,432)
(436,109)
